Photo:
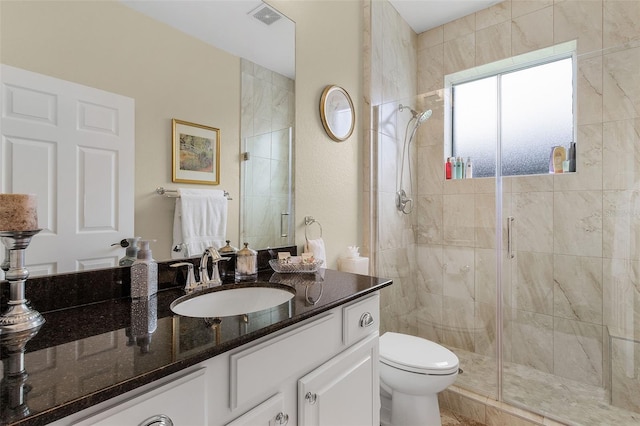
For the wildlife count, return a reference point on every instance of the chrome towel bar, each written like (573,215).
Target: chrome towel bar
(173,193)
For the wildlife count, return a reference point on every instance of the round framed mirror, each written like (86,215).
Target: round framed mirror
(337,113)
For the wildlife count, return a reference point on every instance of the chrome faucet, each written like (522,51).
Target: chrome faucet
(191,283)
(214,280)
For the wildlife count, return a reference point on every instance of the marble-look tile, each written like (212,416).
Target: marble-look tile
(431,38)
(532,340)
(458,220)
(485,227)
(280,145)
(429,316)
(533,286)
(430,167)
(429,268)
(524,7)
(531,183)
(459,271)
(493,43)
(532,31)
(485,276)
(493,15)
(387,163)
(588,174)
(621,85)
(459,186)
(589,90)
(458,323)
(621,297)
(459,54)
(625,374)
(485,329)
(429,220)
(473,410)
(533,225)
(581,20)
(391,234)
(578,351)
(577,291)
(621,224)
(621,154)
(577,223)
(497,417)
(460,27)
(279,184)
(620,22)
(431,69)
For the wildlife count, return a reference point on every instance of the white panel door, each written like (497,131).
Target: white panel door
(73,146)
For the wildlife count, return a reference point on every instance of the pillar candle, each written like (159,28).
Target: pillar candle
(18,212)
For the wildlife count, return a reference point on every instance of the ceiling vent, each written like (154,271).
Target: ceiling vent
(265,14)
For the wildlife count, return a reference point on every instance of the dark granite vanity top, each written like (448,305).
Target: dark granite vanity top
(88,353)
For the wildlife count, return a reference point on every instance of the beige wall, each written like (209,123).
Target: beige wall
(328,181)
(171,75)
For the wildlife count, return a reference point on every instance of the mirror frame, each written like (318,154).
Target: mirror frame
(332,97)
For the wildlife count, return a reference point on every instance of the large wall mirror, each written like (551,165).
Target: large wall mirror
(186,60)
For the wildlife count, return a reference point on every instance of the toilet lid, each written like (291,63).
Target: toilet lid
(416,354)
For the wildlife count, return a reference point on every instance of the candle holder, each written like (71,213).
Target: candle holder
(19,316)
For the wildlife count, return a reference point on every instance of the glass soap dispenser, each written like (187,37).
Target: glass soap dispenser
(228,253)
(246,264)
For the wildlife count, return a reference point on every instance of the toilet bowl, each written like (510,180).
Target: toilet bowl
(412,372)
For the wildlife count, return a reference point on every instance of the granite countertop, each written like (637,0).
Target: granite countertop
(92,352)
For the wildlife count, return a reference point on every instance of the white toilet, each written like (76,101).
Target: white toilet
(412,372)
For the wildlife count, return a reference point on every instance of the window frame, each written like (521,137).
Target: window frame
(520,62)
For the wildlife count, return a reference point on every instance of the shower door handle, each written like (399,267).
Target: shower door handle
(510,246)
(284,223)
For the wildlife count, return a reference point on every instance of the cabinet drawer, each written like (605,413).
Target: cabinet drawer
(259,370)
(360,319)
(182,400)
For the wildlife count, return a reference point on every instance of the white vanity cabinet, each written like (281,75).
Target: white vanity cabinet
(321,371)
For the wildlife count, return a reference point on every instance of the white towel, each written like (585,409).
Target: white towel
(317,248)
(199,222)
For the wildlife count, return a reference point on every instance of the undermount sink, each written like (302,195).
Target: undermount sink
(233,299)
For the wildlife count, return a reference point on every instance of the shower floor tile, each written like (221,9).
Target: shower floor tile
(554,397)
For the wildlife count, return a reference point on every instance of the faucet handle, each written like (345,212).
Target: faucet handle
(191,279)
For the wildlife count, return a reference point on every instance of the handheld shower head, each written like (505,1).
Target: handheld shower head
(421,117)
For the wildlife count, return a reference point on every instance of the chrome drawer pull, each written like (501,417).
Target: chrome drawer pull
(366,320)
(157,420)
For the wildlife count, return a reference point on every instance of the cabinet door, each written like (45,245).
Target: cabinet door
(343,391)
(269,413)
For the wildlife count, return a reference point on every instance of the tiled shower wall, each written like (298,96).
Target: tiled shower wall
(572,292)
(268,111)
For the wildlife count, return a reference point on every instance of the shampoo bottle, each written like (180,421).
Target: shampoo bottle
(144,273)
(469,169)
(447,169)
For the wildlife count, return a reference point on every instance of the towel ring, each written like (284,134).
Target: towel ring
(308,221)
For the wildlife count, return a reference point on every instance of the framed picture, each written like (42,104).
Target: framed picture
(196,153)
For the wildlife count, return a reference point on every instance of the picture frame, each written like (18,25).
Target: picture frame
(195,153)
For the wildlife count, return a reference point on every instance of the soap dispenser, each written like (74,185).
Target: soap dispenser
(144,273)
(131,252)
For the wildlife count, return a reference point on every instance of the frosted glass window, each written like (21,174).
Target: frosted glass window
(534,113)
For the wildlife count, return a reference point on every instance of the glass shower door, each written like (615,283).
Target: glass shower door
(267,189)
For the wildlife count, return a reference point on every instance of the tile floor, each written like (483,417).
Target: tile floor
(561,399)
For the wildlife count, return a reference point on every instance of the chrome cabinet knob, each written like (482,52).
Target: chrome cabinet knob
(157,420)
(311,398)
(282,419)
(366,320)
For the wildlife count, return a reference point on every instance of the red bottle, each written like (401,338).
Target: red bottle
(447,169)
